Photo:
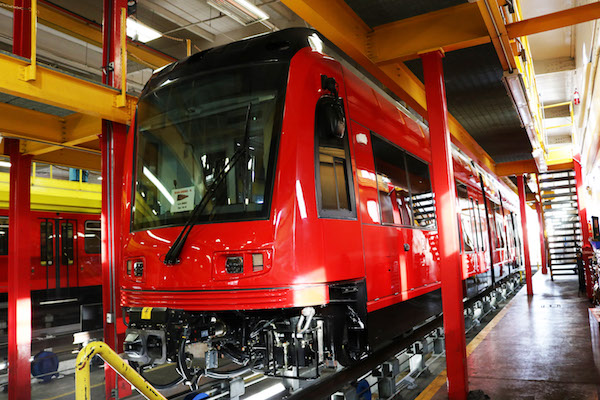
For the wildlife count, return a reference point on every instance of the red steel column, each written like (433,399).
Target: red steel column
(543,236)
(538,207)
(523,205)
(445,199)
(585,231)
(19,286)
(22,28)
(112,143)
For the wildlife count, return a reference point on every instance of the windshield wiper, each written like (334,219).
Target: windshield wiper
(172,256)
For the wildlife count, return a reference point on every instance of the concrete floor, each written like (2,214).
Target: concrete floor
(540,349)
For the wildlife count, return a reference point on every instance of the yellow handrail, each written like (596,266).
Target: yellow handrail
(82,372)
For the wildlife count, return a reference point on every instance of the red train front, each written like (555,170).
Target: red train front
(281,212)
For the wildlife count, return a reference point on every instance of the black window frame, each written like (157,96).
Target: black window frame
(4,227)
(47,242)
(413,224)
(87,239)
(67,244)
(325,213)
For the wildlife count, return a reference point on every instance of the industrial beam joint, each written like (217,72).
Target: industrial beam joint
(437,30)
(65,91)
(548,22)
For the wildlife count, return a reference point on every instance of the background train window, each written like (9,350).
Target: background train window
(466,223)
(66,233)
(499,228)
(482,224)
(392,182)
(3,236)
(476,225)
(422,200)
(46,243)
(92,237)
(334,174)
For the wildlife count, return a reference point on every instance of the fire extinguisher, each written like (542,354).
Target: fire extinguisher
(576,100)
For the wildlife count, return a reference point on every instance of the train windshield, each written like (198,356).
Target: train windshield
(189,129)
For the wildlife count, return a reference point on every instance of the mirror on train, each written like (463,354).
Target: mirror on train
(332,118)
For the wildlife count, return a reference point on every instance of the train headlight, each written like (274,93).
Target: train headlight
(234,265)
(257,262)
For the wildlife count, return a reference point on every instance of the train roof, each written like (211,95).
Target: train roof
(276,46)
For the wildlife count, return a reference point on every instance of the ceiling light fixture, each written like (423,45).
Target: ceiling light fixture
(242,11)
(140,32)
(515,87)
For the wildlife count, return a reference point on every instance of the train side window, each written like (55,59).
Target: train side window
(46,243)
(3,236)
(335,189)
(482,225)
(392,182)
(92,237)
(422,200)
(462,200)
(67,243)
(476,225)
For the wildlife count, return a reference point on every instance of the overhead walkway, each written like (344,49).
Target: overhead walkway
(539,348)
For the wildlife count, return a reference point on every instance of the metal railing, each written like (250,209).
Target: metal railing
(121,367)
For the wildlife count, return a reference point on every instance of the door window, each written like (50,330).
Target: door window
(47,243)
(335,190)
(92,237)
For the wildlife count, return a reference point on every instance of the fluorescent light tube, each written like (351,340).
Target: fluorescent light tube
(140,32)
(242,11)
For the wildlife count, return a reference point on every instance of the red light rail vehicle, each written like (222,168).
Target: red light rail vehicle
(279,212)
(64,269)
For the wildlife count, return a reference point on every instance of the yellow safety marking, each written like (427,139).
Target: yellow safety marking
(440,380)
(146,312)
(72,392)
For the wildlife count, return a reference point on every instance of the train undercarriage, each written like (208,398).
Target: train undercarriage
(289,342)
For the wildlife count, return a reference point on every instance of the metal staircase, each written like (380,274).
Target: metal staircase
(559,203)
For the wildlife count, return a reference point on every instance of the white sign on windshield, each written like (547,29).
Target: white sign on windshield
(184,199)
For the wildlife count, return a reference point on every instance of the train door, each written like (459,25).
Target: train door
(58,253)
(467,230)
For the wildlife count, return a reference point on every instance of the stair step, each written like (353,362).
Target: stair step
(563,239)
(563,211)
(551,188)
(556,195)
(564,261)
(552,174)
(551,202)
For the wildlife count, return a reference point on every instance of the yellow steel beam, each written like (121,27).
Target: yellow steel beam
(555,20)
(71,158)
(338,22)
(561,166)
(48,132)
(516,168)
(21,121)
(73,25)
(449,29)
(492,17)
(65,91)
(68,158)
(39,148)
